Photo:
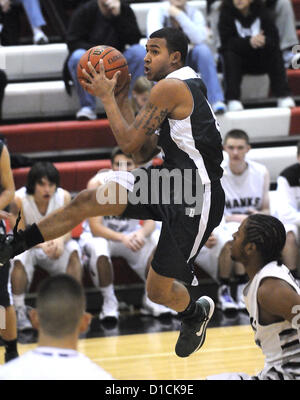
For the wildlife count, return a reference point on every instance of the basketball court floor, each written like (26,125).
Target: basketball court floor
(141,347)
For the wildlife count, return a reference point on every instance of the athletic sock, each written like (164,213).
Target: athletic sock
(189,311)
(107,291)
(19,300)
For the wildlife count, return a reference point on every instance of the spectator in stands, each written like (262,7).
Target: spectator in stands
(34,14)
(3,84)
(9,333)
(283,16)
(105,22)
(246,185)
(140,93)
(41,196)
(60,317)
(105,237)
(288,211)
(250,44)
(179,14)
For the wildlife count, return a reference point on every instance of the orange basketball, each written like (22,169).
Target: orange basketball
(113,61)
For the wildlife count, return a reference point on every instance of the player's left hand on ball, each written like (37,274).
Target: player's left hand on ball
(98,83)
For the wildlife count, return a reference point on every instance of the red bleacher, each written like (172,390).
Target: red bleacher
(63,135)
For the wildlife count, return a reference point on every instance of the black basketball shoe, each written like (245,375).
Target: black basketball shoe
(193,328)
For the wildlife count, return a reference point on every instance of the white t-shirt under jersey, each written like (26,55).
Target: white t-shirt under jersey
(50,363)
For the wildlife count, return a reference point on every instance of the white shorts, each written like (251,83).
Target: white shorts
(36,256)
(208,258)
(94,247)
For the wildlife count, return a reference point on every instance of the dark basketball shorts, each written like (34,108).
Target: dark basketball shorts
(5,296)
(184,229)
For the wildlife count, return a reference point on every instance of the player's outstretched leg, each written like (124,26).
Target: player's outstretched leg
(193,327)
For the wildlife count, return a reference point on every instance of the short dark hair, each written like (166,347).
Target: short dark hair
(268,234)
(60,305)
(116,152)
(237,134)
(176,40)
(41,169)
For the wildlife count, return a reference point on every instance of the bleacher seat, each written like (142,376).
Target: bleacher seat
(34,61)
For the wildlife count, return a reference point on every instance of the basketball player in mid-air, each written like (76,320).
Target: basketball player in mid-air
(178,119)
(272,298)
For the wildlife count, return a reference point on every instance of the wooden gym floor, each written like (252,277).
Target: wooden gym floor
(142,348)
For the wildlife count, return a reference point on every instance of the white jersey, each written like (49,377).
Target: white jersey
(117,224)
(49,363)
(245,191)
(279,341)
(31,212)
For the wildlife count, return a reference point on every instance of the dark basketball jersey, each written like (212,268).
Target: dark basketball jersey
(194,142)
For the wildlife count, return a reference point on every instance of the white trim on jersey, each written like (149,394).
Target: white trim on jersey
(181,134)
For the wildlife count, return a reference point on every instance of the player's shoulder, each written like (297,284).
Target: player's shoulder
(292,174)
(257,167)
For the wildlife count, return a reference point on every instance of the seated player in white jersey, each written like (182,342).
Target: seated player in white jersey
(59,324)
(246,186)
(106,237)
(287,209)
(272,298)
(41,196)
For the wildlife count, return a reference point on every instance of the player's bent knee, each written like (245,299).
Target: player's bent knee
(156,295)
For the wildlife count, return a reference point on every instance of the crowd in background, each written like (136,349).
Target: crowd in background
(236,36)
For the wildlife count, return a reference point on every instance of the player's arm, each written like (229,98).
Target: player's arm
(265,207)
(67,200)
(284,305)
(166,97)
(7,180)
(96,223)
(147,228)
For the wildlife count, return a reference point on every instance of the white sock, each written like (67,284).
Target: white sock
(19,300)
(36,30)
(107,291)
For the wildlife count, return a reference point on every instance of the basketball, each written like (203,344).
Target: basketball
(113,61)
